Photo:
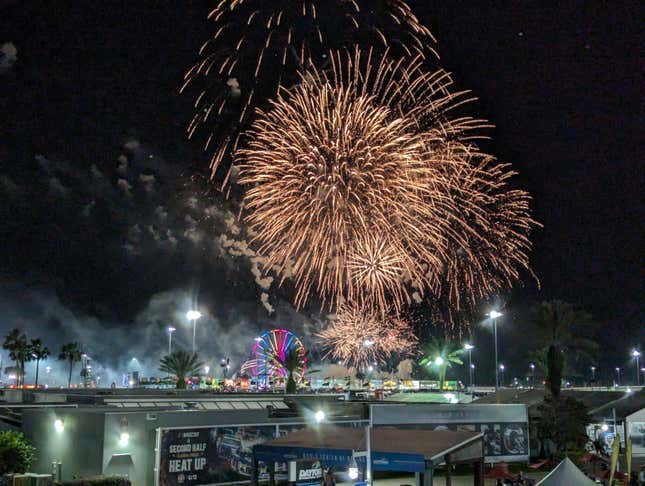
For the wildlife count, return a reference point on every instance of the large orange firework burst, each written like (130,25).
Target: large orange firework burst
(259,44)
(359,336)
(366,185)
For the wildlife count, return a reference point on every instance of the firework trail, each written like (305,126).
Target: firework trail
(359,336)
(257,45)
(365,183)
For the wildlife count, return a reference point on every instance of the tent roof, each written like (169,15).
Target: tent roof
(566,473)
(432,444)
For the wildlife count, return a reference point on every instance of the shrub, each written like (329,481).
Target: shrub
(16,452)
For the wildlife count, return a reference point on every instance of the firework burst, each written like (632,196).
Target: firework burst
(258,44)
(362,182)
(359,336)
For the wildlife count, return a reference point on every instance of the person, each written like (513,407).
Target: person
(520,478)
(329,478)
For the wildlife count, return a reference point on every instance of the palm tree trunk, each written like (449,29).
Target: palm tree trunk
(69,379)
(22,373)
(37,366)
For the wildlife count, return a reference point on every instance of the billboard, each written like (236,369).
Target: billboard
(505,427)
(207,456)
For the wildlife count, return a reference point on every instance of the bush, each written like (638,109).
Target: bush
(16,452)
(97,481)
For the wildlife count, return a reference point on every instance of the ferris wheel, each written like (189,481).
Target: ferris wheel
(271,351)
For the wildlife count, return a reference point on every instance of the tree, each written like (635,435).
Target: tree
(563,422)
(16,343)
(440,355)
(563,335)
(16,453)
(71,353)
(182,365)
(39,353)
(293,359)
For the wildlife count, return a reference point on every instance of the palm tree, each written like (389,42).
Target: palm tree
(441,354)
(292,361)
(71,353)
(182,365)
(39,353)
(16,343)
(563,336)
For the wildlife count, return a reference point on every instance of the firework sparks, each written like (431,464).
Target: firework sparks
(368,188)
(259,44)
(359,336)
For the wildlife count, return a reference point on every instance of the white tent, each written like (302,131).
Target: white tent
(566,473)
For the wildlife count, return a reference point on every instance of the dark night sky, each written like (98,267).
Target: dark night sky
(562,85)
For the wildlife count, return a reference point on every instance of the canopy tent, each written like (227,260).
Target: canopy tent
(392,449)
(566,473)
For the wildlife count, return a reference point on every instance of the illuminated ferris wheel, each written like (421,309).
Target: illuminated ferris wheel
(272,351)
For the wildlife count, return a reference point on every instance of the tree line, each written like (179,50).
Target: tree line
(23,350)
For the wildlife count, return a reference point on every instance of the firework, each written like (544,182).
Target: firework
(359,336)
(258,44)
(357,180)
(490,230)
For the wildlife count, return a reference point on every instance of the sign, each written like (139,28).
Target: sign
(306,472)
(185,454)
(214,455)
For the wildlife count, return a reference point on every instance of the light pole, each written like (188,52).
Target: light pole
(637,354)
(170,331)
(193,315)
(532,366)
(618,375)
(472,372)
(501,369)
(469,347)
(593,374)
(494,315)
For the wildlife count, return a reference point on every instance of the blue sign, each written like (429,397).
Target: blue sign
(341,458)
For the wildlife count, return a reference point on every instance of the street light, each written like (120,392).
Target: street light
(637,354)
(593,373)
(469,347)
(532,366)
(193,315)
(502,368)
(618,375)
(494,314)
(438,361)
(170,331)
(320,416)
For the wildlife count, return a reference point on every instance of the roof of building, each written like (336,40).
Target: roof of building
(432,444)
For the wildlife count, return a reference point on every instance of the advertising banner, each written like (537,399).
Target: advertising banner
(306,472)
(208,456)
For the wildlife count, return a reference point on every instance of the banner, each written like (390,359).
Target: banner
(306,472)
(615,450)
(209,456)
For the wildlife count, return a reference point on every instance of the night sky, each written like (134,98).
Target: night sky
(562,85)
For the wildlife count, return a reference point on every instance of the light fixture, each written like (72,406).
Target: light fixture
(352,472)
(370,368)
(59,425)
(468,346)
(438,361)
(604,427)
(171,329)
(320,416)
(193,315)
(636,353)
(494,314)
(124,439)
